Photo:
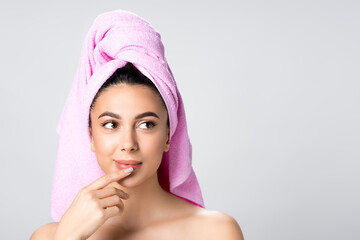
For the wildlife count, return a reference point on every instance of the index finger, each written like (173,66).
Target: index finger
(109,178)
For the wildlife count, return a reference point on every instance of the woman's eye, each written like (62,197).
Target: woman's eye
(147,125)
(110,125)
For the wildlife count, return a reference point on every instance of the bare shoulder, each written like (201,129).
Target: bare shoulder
(44,232)
(216,225)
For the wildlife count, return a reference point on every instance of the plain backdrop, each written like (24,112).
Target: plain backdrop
(271,92)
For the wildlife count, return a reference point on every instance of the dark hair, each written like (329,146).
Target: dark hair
(128,74)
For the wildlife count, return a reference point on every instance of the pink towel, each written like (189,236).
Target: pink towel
(114,39)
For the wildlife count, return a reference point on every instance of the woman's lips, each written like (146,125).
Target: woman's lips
(123,164)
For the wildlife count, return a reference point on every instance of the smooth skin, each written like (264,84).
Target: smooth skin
(123,129)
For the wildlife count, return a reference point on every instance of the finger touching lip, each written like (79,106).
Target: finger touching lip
(123,164)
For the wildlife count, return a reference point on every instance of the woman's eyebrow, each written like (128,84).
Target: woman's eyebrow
(146,114)
(110,114)
(117,116)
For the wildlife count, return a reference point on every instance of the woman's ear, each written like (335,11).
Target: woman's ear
(92,141)
(167,144)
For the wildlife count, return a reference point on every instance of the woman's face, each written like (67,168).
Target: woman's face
(129,122)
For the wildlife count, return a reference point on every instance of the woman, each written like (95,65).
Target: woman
(123,168)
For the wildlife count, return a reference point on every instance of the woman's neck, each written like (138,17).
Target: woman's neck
(145,205)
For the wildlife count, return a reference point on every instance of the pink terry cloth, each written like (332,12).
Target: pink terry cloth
(115,38)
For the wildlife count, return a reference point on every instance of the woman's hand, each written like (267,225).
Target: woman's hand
(93,205)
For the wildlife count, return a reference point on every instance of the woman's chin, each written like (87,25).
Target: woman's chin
(135,180)
(129,182)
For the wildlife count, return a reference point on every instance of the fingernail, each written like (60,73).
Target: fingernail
(128,170)
(127,195)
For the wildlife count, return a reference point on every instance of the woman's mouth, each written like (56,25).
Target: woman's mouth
(123,164)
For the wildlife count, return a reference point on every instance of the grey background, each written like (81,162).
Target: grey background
(271,92)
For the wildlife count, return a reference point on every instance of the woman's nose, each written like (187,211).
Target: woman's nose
(128,141)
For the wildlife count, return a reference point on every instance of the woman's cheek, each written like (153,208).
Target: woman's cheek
(154,145)
(105,144)
(103,150)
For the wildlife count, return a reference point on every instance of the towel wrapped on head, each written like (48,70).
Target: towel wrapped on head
(116,38)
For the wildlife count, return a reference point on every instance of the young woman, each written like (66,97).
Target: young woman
(124,160)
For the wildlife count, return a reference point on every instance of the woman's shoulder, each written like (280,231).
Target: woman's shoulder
(44,232)
(194,223)
(215,225)
(202,223)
